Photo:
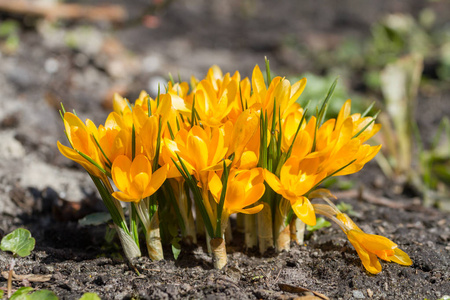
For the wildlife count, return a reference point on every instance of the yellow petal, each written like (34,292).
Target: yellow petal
(140,182)
(245,127)
(73,155)
(157,180)
(140,164)
(296,90)
(344,218)
(179,104)
(198,149)
(248,160)
(302,145)
(124,197)
(215,185)
(344,113)
(304,210)
(165,107)
(258,84)
(368,259)
(235,195)
(253,194)
(282,93)
(373,242)
(119,103)
(400,257)
(289,170)
(120,172)
(252,210)
(272,180)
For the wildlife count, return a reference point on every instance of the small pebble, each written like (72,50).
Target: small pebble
(369,293)
(358,294)
(51,65)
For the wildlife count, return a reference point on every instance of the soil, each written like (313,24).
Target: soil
(42,191)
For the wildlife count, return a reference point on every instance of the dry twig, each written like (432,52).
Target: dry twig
(112,13)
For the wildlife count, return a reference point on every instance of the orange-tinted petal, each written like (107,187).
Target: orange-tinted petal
(272,180)
(369,260)
(252,210)
(400,257)
(124,197)
(157,180)
(304,210)
(120,172)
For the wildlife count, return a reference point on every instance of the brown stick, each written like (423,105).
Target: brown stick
(112,13)
(10,275)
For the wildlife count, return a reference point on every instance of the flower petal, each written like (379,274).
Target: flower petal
(120,172)
(139,165)
(215,186)
(157,180)
(304,210)
(252,210)
(369,260)
(401,258)
(124,197)
(272,181)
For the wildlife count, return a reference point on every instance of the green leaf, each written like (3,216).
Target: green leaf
(1,294)
(90,296)
(8,28)
(346,208)
(18,242)
(42,295)
(95,219)
(21,293)
(176,248)
(320,223)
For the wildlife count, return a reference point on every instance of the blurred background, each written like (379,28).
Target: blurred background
(395,54)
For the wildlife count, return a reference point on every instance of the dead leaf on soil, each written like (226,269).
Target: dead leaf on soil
(29,277)
(297,290)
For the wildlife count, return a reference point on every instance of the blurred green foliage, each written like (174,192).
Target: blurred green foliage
(313,95)
(393,36)
(9,36)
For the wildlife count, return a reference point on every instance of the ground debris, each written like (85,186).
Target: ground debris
(298,290)
(28,277)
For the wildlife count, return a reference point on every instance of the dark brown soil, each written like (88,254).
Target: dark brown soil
(80,260)
(45,193)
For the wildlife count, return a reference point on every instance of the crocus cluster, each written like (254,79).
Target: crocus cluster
(181,163)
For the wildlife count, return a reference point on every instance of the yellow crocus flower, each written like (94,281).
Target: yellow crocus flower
(244,188)
(135,179)
(359,123)
(81,140)
(114,137)
(369,246)
(213,107)
(297,177)
(201,149)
